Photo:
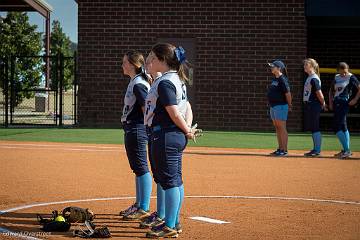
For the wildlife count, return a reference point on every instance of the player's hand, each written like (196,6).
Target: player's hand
(352,102)
(194,133)
(290,107)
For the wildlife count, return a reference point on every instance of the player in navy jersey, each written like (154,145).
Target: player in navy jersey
(314,103)
(135,136)
(340,100)
(157,218)
(279,98)
(166,113)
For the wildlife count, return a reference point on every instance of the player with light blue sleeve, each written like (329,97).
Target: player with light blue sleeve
(135,136)
(314,103)
(166,112)
(157,217)
(341,91)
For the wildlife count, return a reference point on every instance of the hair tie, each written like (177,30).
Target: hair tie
(143,71)
(180,54)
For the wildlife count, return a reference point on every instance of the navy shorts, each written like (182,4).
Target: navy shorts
(136,140)
(166,149)
(341,109)
(312,116)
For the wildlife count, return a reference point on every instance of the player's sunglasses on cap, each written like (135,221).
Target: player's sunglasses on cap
(277,63)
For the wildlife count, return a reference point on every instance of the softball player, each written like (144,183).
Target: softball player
(313,104)
(166,110)
(339,101)
(135,134)
(279,98)
(156,218)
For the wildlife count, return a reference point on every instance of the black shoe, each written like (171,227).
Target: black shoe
(275,152)
(133,208)
(281,153)
(346,154)
(151,221)
(178,228)
(312,153)
(135,216)
(339,153)
(165,232)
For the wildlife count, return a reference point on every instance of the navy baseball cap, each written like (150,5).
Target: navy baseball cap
(277,63)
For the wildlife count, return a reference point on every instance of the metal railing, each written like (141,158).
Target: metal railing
(54,105)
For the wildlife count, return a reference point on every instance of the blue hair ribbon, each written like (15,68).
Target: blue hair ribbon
(180,54)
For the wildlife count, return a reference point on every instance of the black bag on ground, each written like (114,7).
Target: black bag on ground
(54,224)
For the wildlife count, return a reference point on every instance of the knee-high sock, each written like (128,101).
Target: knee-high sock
(145,183)
(317,141)
(181,190)
(342,139)
(347,135)
(172,201)
(160,201)
(137,187)
(312,136)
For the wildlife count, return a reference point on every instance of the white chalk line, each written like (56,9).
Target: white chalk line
(120,148)
(4,230)
(209,220)
(89,148)
(201,197)
(65,149)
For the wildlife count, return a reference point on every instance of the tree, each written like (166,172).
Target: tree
(61,44)
(19,38)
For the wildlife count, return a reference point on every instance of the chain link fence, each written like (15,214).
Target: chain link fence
(44,101)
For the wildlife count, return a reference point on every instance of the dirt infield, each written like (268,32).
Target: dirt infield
(34,173)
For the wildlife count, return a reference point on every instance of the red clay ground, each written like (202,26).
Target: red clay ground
(47,172)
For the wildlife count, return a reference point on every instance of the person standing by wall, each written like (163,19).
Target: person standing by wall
(314,103)
(135,134)
(166,110)
(339,101)
(279,98)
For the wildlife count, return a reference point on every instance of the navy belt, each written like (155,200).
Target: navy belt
(132,122)
(341,99)
(159,127)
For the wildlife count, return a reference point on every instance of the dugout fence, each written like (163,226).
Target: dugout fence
(26,99)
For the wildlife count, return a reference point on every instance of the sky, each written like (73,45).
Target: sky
(65,11)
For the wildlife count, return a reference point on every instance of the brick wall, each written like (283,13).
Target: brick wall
(234,40)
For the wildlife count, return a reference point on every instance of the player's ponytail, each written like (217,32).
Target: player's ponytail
(317,70)
(180,56)
(146,76)
(174,57)
(284,71)
(182,72)
(313,63)
(136,59)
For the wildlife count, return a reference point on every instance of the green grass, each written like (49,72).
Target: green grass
(210,139)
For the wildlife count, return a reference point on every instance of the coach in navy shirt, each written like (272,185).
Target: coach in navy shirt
(279,98)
